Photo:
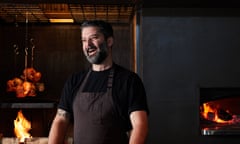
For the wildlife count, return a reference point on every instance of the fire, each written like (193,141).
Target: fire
(211,113)
(21,127)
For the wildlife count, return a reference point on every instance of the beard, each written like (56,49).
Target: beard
(100,54)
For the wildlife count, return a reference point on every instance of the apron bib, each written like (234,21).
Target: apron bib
(95,120)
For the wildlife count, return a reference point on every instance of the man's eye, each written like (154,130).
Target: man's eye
(93,38)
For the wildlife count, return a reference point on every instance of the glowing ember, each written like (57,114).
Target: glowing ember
(216,114)
(211,113)
(21,127)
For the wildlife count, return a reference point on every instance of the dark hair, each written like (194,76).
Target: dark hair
(104,27)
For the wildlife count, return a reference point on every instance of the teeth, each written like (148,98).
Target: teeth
(91,51)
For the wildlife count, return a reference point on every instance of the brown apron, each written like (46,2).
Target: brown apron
(95,120)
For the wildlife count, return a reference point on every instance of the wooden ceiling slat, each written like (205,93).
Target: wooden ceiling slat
(79,12)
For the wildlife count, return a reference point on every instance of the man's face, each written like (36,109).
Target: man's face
(94,45)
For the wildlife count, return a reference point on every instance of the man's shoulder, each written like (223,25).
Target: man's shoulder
(75,77)
(122,70)
(124,73)
(79,74)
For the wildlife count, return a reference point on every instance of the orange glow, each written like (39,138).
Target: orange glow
(27,84)
(210,113)
(21,127)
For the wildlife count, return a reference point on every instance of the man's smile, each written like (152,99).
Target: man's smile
(91,51)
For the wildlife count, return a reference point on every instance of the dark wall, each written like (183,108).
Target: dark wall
(182,53)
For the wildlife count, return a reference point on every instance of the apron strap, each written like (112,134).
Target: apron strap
(85,80)
(110,78)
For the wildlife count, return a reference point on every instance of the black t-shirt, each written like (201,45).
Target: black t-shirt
(128,91)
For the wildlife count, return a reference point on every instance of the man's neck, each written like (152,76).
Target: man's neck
(101,67)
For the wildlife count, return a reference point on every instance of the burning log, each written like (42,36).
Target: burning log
(214,113)
(224,115)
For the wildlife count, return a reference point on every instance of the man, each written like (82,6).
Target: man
(106,103)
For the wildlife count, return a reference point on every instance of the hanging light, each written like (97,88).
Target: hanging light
(61,20)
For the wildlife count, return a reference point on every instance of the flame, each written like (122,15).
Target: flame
(210,113)
(21,127)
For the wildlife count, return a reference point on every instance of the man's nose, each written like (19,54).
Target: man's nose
(89,41)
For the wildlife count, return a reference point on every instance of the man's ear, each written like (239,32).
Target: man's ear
(110,41)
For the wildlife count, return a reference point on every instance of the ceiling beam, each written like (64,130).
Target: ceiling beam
(108,2)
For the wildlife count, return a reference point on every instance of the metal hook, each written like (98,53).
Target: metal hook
(16,49)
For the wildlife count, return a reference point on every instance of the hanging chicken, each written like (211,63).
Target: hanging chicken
(28,83)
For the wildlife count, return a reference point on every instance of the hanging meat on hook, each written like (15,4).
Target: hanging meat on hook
(13,83)
(31,74)
(27,84)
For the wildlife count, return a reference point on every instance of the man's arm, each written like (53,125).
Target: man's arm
(139,131)
(59,127)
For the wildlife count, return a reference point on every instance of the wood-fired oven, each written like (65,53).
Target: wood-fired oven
(219,111)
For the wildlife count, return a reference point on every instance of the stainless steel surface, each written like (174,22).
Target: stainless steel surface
(222,130)
(28,102)
(28,105)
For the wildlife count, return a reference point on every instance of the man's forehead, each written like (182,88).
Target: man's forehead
(90,28)
(90,31)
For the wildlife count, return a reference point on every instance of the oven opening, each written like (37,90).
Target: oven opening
(219,111)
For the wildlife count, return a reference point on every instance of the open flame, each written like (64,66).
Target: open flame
(214,113)
(21,127)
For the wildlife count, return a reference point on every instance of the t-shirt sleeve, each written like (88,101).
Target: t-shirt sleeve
(137,99)
(67,94)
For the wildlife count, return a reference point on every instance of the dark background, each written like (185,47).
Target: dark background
(182,50)
(57,52)
(57,55)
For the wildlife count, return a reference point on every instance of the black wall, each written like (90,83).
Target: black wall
(183,50)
